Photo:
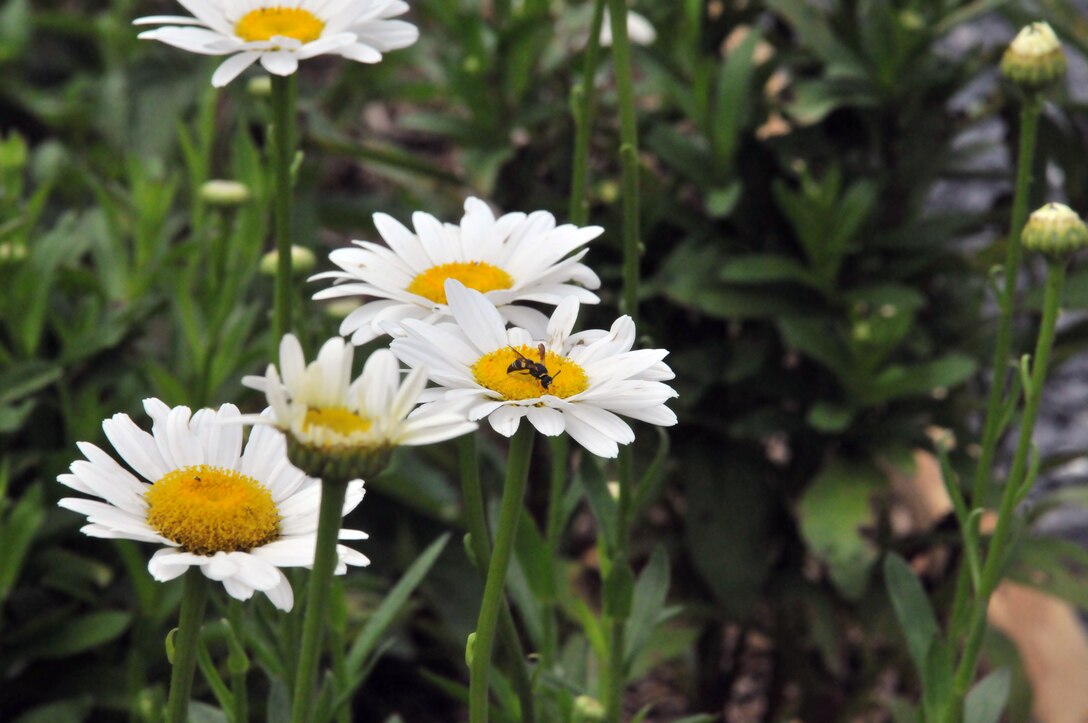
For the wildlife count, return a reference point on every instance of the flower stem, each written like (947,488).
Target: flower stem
(1029,123)
(317,597)
(517,470)
(480,539)
(194,597)
(583,102)
(995,555)
(617,673)
(283,119)
(625,88)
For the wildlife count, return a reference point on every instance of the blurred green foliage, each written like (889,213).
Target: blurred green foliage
(821,315)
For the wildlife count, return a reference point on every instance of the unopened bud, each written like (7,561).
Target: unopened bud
(1055,230)
(1034,59)
(260,86)
(219,192)
(302,261)
(588,710)
(12,252)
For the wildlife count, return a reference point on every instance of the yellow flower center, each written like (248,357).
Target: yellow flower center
(478,275)
(563,377)
(266,23)
(211,509)
(335,419)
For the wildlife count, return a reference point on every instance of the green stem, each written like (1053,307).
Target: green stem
(1029,122)
(995,555)
(237,671)
(194,597)
(560,448)
(583,101)
(617,668)
(283,119)
(480,539)
(317,597)
(625,89)
(517,470)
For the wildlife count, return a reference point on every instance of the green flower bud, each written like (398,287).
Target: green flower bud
(338,464)
(588,710)
(1055,230)
(1034,59)
(302,261)
(260,86)
(225,193)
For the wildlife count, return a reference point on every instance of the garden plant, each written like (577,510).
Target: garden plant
(534,360)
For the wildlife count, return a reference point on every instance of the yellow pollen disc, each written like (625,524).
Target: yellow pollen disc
(336,419)
(478,275)
(490,371)
(211,509)
(265,23)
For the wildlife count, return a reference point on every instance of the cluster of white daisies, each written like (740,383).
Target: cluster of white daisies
(453,298)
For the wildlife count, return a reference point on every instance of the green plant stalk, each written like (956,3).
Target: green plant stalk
(560,448)
(583,105)
(625,88)
(194,598)
(240,714)
(480,539)
(517,470)
(283,118)
(1029,124)
(617,668)
(317,597)
(995,555)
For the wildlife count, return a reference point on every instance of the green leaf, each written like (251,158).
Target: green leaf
(987,699)
(650,592)
(74,710)
(16,534)
(766,269)
(720,202)
(600,499)
(818,339)
(392,605)
(836,513)
(535,559)
(76,635)
(936,678)
(921,379)
(731,102)
(912,608)
(829,417)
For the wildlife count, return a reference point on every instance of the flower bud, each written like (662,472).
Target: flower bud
(338,464)
(1034,59)
(10,251)
(1055,230)
(588,709)
(260,86)
(302,261)
(224,193)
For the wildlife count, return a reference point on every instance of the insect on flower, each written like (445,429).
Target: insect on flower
(537,370)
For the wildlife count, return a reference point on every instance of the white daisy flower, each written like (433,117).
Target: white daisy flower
(339,425)
(513,258)
(574,383)
(239,515)
(279,33)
